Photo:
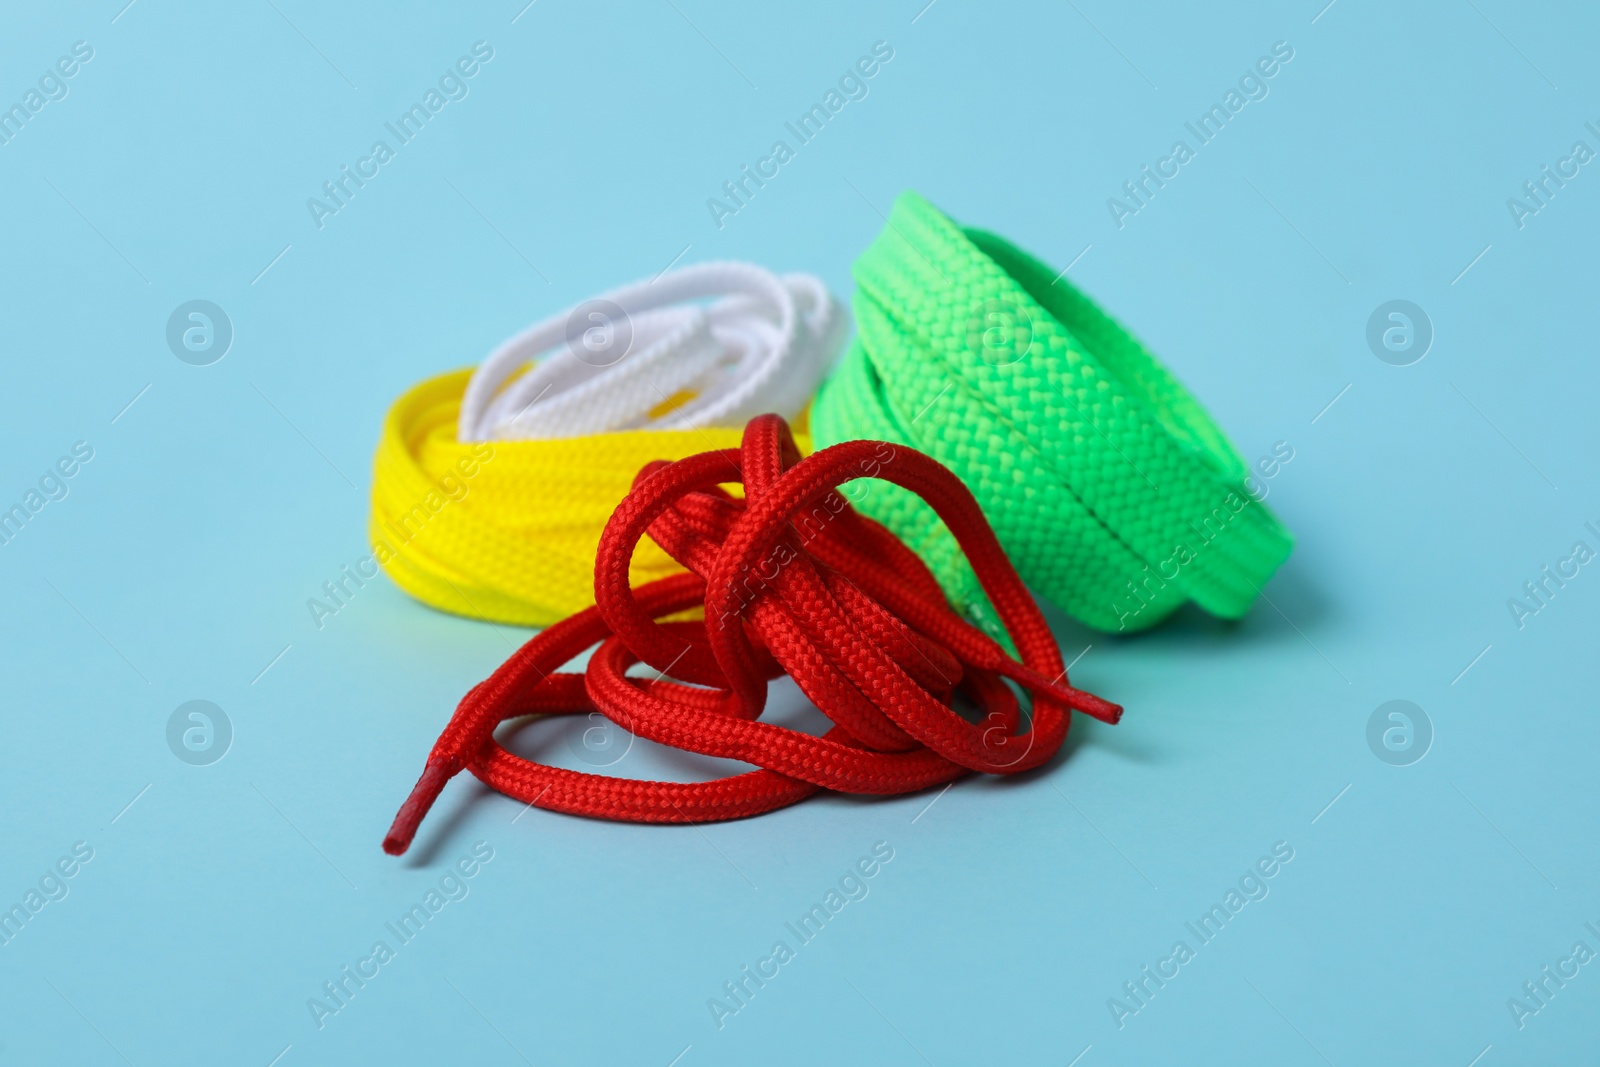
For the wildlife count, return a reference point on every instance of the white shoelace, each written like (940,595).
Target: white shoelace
(762,345)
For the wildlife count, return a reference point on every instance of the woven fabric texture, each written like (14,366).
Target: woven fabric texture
(711,344)
(1115,494)
(793,581)
(507,530)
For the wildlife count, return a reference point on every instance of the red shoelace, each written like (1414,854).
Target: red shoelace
(792,580)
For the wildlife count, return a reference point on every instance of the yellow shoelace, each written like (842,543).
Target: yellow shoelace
(507,530)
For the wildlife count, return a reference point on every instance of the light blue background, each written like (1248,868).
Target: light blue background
(180,564)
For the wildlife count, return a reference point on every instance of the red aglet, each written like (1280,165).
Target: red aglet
(415,809)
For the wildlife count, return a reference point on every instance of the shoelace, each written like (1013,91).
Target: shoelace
(792,580)
(616,361)
(471,522)
(1115,494)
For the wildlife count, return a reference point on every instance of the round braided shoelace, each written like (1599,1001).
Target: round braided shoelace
(1116,495)
(491,486)
(792,580)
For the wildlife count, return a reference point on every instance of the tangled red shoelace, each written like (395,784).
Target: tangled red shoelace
(792,580)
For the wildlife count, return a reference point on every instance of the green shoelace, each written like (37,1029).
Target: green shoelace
(1114,493)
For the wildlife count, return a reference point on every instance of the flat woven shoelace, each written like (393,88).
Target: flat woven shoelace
(1116,496)
(472,516)
(792,580)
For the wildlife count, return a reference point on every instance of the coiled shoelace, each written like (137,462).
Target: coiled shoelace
(616,361)
(792,580)
(1116,495)
(471,516)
